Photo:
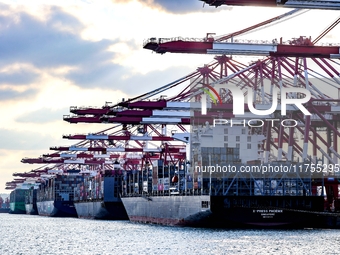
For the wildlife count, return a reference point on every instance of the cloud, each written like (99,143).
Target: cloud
(25,140)
(10,94)
(99,75)
(177,6)
(42,116)
(18,77)
(117,77)
(139,84)
(56,42)
(49,43)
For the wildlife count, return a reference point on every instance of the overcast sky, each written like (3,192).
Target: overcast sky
(56,54)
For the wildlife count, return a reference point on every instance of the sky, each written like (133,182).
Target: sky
(56,54)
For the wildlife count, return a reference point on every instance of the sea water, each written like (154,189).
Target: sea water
(28,234)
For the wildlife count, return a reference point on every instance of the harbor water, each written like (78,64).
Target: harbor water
(28,234)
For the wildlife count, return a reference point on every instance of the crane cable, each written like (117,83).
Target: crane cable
(270,22)
(325,32)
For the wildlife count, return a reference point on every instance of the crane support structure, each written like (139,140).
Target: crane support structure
(304,4)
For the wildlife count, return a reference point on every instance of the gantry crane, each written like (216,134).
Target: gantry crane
(152,112)
(285,64)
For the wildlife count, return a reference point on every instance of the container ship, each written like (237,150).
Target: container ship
(4,205)
(55,195)
(17,201)
(31,197)
(98,196)
(21,201)
(31,201)
(196,195)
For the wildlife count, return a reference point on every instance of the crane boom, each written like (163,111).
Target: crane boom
(304,4)
(180,45)
(298,47)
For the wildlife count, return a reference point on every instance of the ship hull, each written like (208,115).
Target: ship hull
(17,208)
(171,210)
(17,201)
(56,208)
(31,209)
(31,202)
(231,211)
(101,210)
(269,211)
(274,218)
